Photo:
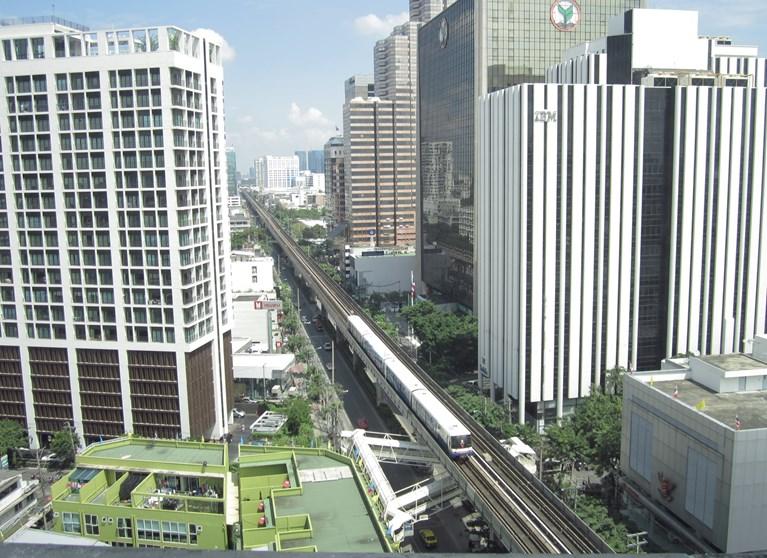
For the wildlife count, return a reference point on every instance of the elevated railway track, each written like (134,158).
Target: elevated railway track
(522,511)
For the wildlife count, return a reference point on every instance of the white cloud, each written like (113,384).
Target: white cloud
(227,51)
(372,24)
(308,117)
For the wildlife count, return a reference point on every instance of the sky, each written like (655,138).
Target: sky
(286,60)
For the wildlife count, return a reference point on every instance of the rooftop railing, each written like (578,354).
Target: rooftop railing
(41,19)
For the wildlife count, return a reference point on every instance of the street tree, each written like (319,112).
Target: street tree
(298,413)
(65,444)
(597,421)
(11,436)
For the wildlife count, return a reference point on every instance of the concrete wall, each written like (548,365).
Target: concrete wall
(242,275)
(382,274)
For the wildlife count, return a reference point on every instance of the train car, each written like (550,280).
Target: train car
(451,434)
(402,379)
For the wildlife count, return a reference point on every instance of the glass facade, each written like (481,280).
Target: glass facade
(446,112)
(520,39)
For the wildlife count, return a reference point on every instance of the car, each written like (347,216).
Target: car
(362,423)
(238,413)
(327,346)
(428,538)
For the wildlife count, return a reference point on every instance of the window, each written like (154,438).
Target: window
(702,480)
(193,533)
(91,524)
(20,46)
(70,522)
(38,47)
(172,531)
(124,528)
(640,447)
(148,530)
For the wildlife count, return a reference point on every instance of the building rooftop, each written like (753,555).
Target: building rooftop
(734,362)
(750,406)
(323,506)
(158,451)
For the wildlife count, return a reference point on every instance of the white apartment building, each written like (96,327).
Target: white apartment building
(276,173)
(620,220)
(114,239)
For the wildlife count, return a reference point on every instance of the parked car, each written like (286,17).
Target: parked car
(428,538)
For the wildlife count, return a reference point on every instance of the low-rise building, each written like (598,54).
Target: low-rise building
(379,270)
(148,493)
(251,273)
(310,500)
(17,500)
(694,447)
(239,220)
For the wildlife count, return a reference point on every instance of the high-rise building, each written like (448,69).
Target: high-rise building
(114,241)
(380,190)
(422,11)
(276,173)
(620,211)
(474,47)
(358,85)
(231,171)
(334,178)
(315,160)
(302,156)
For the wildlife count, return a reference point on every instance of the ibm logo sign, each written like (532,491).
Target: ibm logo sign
(545,116)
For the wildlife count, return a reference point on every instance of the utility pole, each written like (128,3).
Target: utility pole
(42,484)
(637,541)
(333,363)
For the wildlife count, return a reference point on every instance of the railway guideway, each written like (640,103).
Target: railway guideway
(516,524)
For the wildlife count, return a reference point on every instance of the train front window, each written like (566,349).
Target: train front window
(460,442)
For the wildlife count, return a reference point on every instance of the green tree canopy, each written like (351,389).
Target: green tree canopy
(450,338)
(65,444)
(12,436)
(315,231)
(592,433)
(298,414)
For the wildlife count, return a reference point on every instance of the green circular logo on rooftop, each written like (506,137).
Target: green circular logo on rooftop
(565,14)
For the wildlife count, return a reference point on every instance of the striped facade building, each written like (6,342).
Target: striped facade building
(623,212)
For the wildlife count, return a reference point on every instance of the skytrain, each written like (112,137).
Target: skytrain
(451,434)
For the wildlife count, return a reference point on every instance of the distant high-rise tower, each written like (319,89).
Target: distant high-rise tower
(302,159)
(276,173)
(334,178)
(422,11)
(231,171)
(471,48)
(114,241)
(358,85)
(385,124)
(315,160)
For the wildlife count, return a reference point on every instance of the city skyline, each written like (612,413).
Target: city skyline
(265,62)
